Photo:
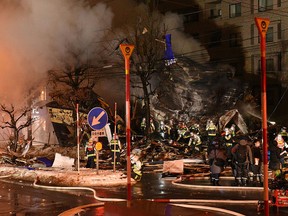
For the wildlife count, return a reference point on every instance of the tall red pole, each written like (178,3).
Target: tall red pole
(78,138)
(262,25)
(127,51)
(114,137)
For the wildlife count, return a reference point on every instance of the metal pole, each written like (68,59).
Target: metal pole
(262,25)
(127,51)
(264,125)
(128,131)
(97,162)
(114,137)
(78,140)
(115,117)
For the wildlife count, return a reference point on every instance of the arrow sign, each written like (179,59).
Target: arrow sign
(97,118)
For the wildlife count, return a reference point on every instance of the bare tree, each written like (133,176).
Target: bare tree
(17,121)
(72,83)
(147,35)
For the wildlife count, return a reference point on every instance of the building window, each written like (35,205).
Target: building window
(252,34)
(279,61)
(235,40)
(269,66)
(191,17)
(215,39)
(252,64)
(279,3)
(264,5)
(269,34)
(215,10)
(252,6)
(279,31)
(235,10)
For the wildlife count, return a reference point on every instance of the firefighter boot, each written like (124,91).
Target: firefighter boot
(254,180)
(244,182)
(260,179)
(213,181)
(238,182)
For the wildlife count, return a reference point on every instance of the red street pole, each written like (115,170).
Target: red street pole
(114,137)
(127,51)
(262,25)
(78,138)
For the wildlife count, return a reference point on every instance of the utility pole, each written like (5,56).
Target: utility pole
(262,25)
(127,52)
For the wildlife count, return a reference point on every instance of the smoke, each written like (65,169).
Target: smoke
(34,36)
(182,43)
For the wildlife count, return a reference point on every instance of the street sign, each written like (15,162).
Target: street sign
(97,118)
(98,133)
(98,146)
(262,25)
(127,50)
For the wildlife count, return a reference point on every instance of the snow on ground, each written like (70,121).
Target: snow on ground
(65,177)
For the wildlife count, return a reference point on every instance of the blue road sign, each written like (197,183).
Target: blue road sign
(97,118)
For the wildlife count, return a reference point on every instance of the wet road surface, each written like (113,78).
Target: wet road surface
(24,199)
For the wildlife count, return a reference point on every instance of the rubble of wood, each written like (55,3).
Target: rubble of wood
(189,89)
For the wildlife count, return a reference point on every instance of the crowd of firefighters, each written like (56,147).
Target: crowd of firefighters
(220,148)
(115,149)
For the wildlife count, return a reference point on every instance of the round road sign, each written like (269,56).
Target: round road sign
(97,118)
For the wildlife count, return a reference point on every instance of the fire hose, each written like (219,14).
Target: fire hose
(170,201)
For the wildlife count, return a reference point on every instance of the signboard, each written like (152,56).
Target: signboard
(126,50)
(62,116)
(98,146)
(97,118)
(262,25)
(98,133)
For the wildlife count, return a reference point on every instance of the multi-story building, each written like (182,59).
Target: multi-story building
(227,29)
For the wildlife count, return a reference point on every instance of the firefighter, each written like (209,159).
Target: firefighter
(164,130)
(228,143)
(217,160)
(115,147)
(233,130)
(152,126)
(282,145)
(194,142)
(257,160)
(90,154)
(274,156)
(182,131)
(242,156)
(195,128)
(143,126)
(211,130)
(284,134)
(136,165)
(227,138)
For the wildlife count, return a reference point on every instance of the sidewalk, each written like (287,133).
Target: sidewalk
(65,177)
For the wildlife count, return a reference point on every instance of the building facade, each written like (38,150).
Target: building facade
(227,29)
